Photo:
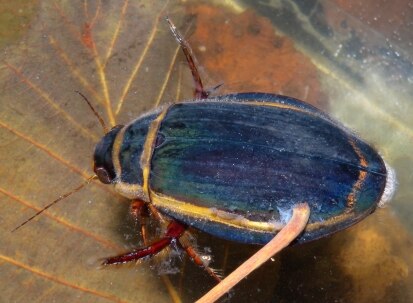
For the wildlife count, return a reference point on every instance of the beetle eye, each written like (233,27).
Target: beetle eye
(103,175)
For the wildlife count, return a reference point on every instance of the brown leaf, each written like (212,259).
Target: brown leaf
(120,54)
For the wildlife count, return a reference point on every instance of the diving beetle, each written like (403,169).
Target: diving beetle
(235,165)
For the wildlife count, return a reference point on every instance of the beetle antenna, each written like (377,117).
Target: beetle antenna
(57,200)
(102,122)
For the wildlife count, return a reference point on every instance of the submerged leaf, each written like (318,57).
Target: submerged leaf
(118,54)
(123,58)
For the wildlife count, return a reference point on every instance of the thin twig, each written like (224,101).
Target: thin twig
(294,227)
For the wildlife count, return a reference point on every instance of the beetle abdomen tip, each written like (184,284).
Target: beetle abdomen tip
(390,188)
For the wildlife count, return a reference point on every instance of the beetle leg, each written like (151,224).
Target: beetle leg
(200,92)
(184,241)
(173,232)
(140,213)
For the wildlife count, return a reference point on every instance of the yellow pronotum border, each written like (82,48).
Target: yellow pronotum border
(147,152)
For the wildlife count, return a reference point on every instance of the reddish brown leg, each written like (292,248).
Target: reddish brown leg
(199,93)
(173,232)
(184,241)
(140,213)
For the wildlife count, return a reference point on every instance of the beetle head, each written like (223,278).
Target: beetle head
(103,163)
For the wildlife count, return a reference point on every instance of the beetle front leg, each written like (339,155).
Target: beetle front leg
(173,232)
(140,213)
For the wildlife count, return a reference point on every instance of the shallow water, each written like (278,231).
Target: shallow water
(350,59)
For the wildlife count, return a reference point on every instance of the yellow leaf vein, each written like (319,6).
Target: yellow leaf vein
(60,280)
